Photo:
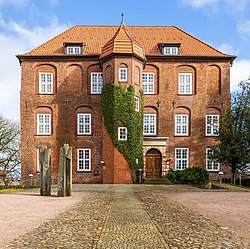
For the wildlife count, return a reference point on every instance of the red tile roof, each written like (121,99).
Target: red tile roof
(136,39)
(122,43)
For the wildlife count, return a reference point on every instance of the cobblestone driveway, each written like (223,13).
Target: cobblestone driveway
(125,216)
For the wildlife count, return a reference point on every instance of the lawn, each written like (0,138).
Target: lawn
(10,190)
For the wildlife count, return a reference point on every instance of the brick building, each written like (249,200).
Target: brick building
(186,87)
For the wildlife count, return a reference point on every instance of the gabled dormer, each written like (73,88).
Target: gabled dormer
(73,48)
(169,48)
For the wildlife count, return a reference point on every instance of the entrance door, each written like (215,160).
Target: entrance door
(153,167)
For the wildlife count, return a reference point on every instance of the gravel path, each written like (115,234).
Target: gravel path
(79,227)
(229,209)
(182,228)
(24,211)
(117,216)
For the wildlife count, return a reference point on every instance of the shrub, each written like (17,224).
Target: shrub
(194,175)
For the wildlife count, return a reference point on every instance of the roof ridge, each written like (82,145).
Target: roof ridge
(200,41)
(79,25)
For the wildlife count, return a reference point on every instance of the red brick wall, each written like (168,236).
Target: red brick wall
(72,82)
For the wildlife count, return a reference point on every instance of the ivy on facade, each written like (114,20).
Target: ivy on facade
(118,108)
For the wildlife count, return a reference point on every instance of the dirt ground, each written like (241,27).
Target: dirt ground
(23,211)
(228,209)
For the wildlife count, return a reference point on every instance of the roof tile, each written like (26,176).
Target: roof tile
(142,40)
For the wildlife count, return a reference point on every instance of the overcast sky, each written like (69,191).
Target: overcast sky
(25,24)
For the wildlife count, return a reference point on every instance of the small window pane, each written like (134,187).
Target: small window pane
(149,124)
(185,83)
(148,83)
(84,124)
(45,82)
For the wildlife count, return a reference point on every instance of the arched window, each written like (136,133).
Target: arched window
(43,121)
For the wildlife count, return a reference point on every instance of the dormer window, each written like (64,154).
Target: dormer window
(73,48)
(170,48)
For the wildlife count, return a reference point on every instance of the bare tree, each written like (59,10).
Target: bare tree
(10,162)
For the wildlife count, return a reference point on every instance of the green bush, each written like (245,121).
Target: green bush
(194,175)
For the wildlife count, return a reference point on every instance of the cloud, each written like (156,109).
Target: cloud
(240,71)
(53,2)
(244,27)
(215,6)
(14,2)
(17,39)
(227,48)
(200,3)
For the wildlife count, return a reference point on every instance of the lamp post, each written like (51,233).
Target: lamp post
(103,166)
(30,176)
(240,172)
(220,177)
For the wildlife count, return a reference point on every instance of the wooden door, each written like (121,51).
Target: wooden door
(153,165)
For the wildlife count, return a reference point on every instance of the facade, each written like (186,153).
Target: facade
(186,87)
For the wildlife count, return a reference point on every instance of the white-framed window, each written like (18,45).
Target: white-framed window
(45,82)
(211,164)
(185,83)
(148,83)
(84,124)
(181,158)
(43,124)
(96,83)
(73,50)
(83,159)
(181,124)
(212,125)
(122,133)
(137,104)
(171,50)
(149,124)
(123,74)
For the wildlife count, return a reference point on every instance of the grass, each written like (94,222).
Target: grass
(10,190)
(157,181)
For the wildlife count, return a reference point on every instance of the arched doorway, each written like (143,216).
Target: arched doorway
(153,167)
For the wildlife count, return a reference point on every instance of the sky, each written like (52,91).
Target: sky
(25,24)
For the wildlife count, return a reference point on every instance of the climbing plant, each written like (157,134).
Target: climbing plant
(118,108)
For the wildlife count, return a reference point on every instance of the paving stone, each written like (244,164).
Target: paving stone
(128,217)
(128,225)
(182,228)
(79,227)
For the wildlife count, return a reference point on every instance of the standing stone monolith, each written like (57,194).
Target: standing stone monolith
(65,171)
(45,178)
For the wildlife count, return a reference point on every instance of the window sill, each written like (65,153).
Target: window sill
(45,93)
(42,135)
(83,171)
(185,94)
